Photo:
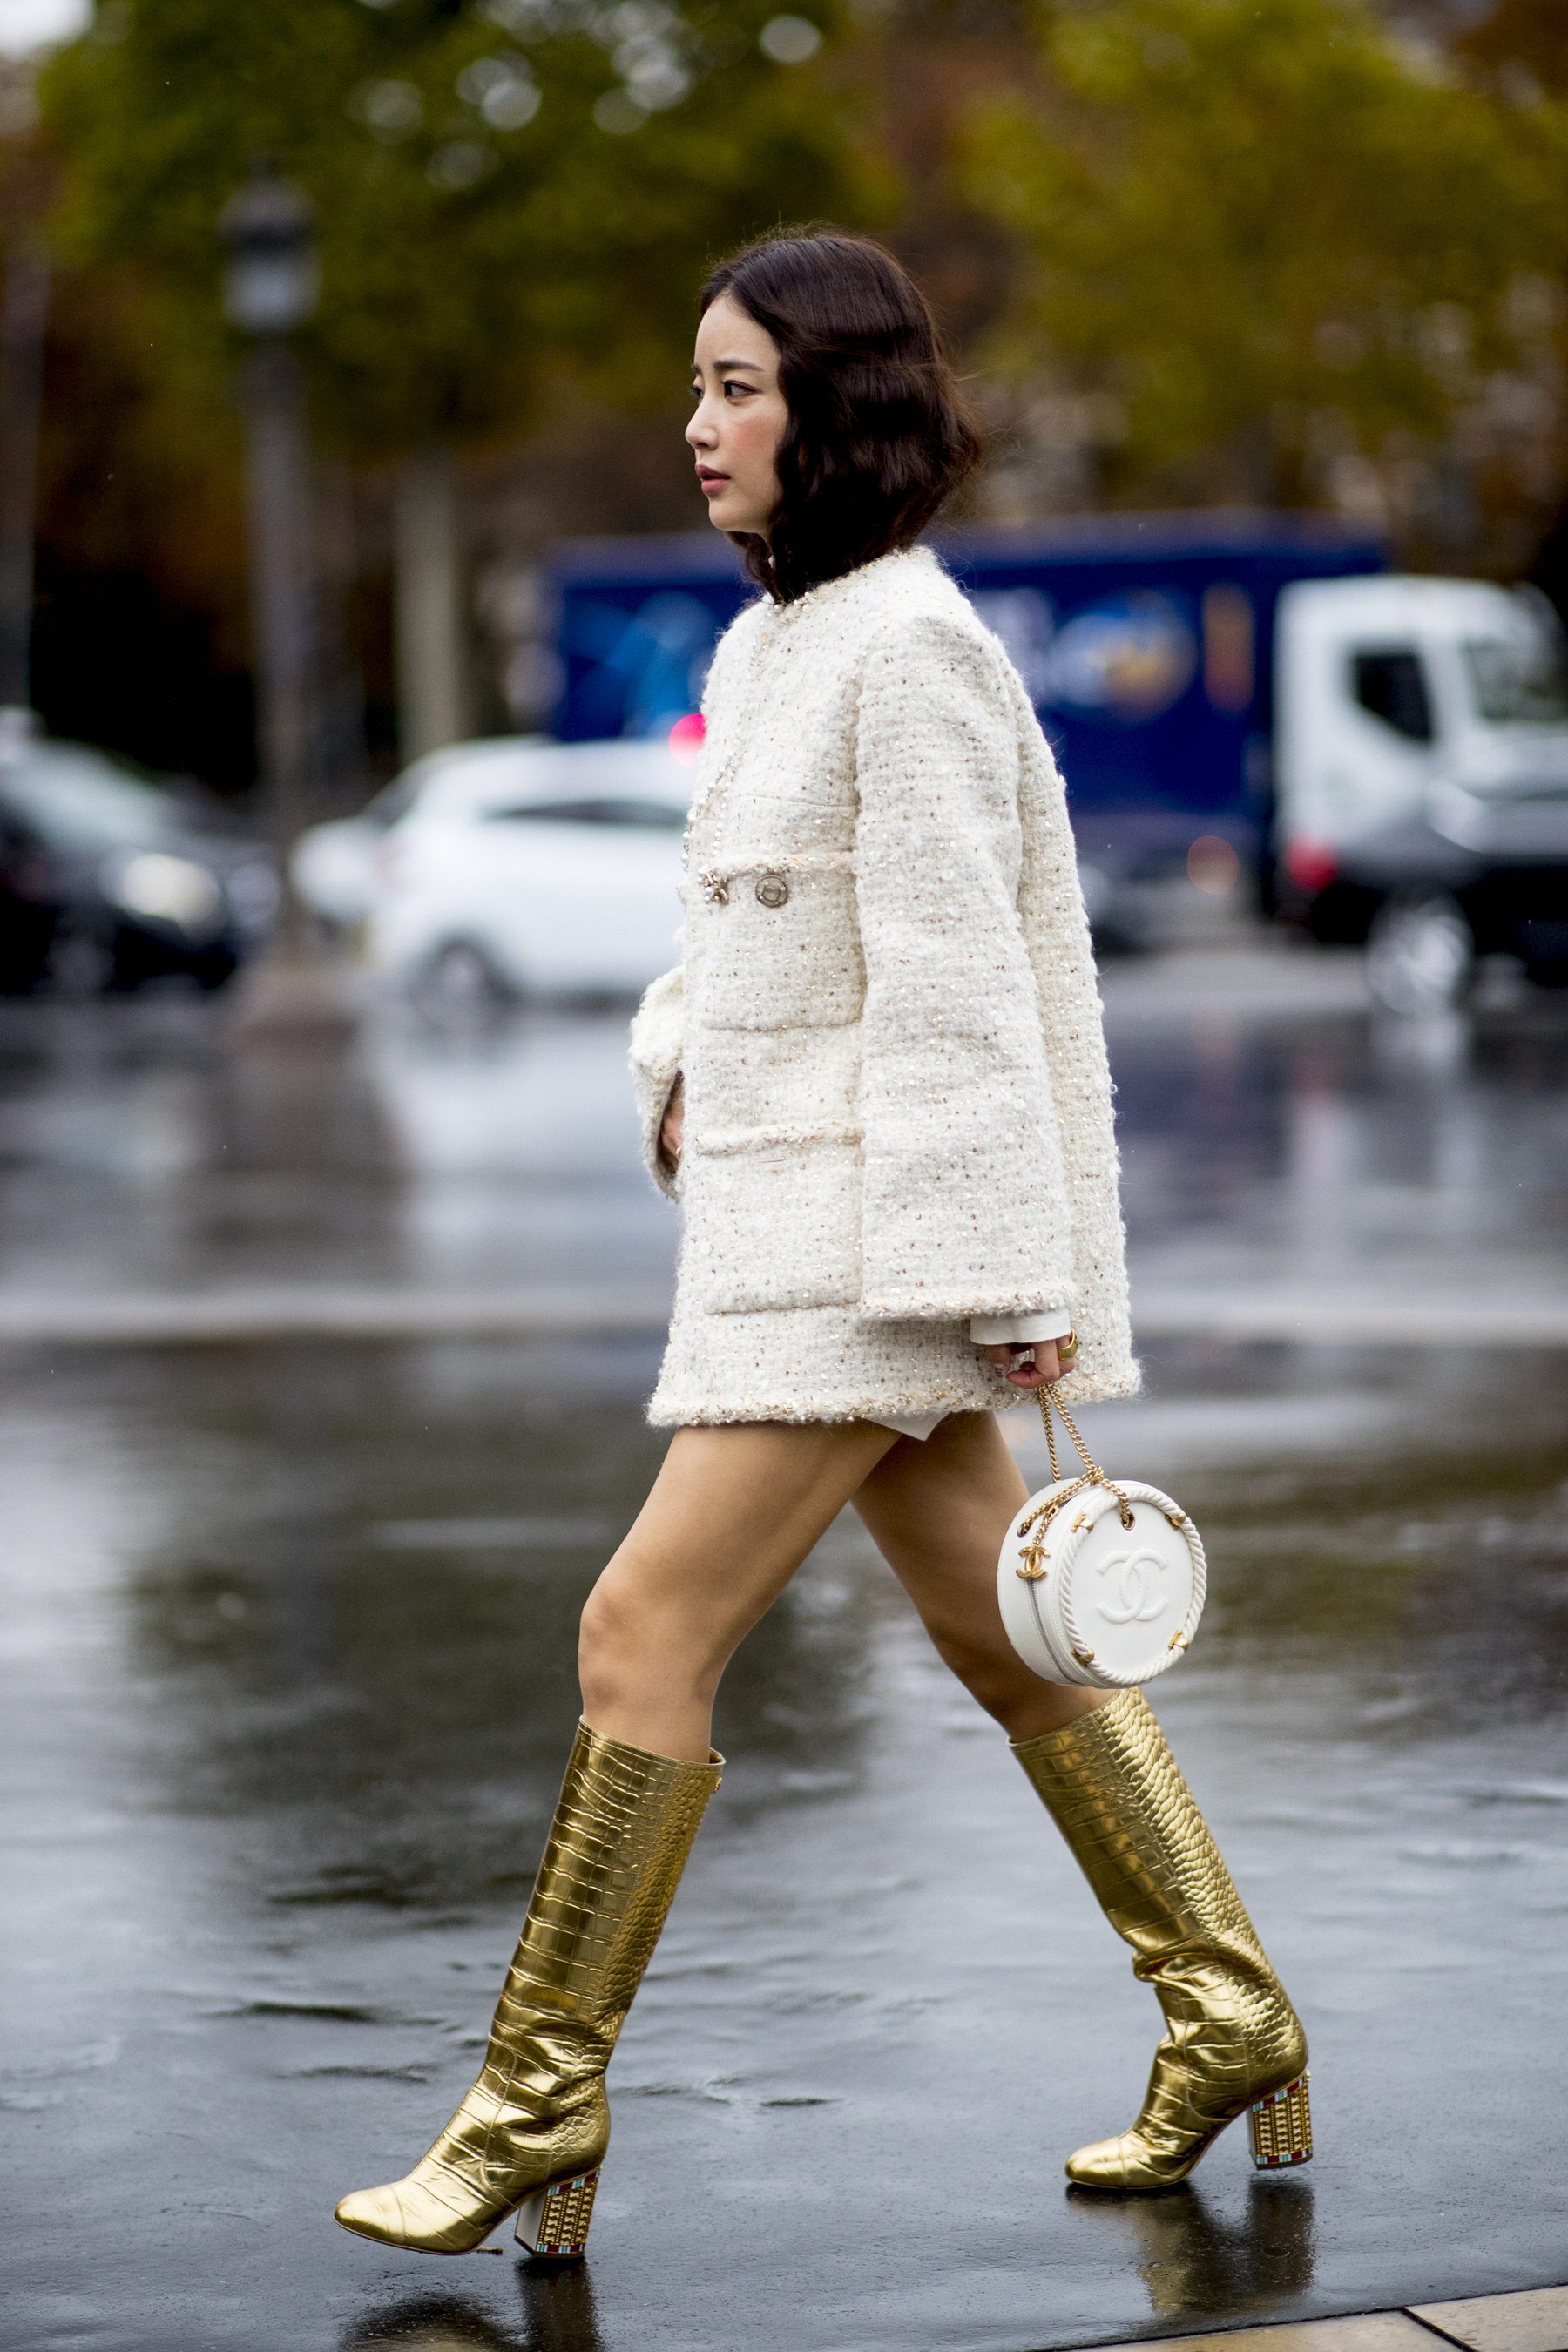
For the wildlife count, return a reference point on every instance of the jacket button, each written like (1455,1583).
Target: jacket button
(772,890)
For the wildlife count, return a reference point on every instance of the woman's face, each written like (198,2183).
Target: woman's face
(740,420)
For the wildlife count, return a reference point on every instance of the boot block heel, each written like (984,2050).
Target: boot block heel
(1280,2128)
(554,2221)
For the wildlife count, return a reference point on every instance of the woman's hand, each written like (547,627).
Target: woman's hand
(1032,1364)
(673,1126)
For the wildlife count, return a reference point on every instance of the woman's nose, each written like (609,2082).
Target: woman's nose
(700,431)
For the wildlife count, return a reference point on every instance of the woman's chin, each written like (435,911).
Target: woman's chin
(723,517)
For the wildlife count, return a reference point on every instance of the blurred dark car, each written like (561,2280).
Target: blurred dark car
(107,880)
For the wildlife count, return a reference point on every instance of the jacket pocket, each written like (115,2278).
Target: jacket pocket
(772,1225)
(776,946)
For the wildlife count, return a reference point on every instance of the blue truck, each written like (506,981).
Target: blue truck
(1146,642)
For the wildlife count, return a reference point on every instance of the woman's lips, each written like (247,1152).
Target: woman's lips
(711,481)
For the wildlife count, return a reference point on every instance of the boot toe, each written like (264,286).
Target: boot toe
(1103,2164)
(1127,2162)
(374,2213)
(423,2214)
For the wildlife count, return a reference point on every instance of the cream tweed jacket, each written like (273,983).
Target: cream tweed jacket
(898,1109)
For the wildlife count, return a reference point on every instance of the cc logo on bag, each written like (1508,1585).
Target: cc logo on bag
(1135,1599)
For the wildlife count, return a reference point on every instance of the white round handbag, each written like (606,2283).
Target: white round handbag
(1100,1582)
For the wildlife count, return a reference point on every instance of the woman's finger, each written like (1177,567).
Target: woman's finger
(1031,1366)
(672,1126)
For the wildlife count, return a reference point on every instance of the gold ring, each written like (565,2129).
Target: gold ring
(1066,1348)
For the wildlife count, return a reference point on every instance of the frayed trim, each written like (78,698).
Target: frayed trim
(800,1411)
(836,1406)
(1098,1388)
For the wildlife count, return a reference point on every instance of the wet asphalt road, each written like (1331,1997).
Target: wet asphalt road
(286,1642)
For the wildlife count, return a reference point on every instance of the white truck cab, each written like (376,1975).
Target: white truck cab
(1421,777)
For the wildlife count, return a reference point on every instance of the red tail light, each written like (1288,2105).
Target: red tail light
(1312,864)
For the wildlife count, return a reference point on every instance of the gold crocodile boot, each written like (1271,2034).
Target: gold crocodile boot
(1232,2039)
(532,2132)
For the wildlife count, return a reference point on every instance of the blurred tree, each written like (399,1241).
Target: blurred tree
(1521,50)
(493,191)
(931,61)
(138,639)
(1276,253)
(514,202)
(1523,45)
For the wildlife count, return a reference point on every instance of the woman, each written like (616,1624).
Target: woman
(878,1086)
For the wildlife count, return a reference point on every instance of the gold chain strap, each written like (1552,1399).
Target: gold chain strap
(1042,1398)
(1033,1554)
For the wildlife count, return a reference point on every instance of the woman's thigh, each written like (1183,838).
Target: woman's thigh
(937,1513)
(730,1517)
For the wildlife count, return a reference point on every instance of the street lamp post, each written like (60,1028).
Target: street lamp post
(270,286)
(22,317)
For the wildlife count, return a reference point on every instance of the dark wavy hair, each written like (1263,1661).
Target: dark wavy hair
(878,436)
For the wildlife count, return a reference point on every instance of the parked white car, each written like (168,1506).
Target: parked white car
(335,866)
(510,868)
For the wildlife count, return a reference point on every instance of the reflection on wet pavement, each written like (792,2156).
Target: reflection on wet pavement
(1195,2261)
(555,2313)
(1361,1168)
(287,1658)
(139,1154)
(1285,1156)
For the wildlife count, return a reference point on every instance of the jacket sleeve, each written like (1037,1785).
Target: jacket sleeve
(1019,1330)
(966,1210)
(657,1045)
(1051,904)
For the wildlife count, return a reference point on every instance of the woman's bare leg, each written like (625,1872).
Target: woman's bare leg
(730,1517)
(937,1513)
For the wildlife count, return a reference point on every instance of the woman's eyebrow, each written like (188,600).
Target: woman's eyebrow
(749,367)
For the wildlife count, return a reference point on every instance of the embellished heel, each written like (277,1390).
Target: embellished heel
(1280,2128)
(554,2221)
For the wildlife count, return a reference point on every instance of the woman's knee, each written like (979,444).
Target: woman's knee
(989,1668)
(607,1648)
(958,1647)
(628,1650)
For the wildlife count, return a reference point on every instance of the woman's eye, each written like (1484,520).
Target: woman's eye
(735,385)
